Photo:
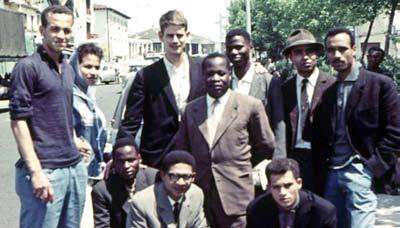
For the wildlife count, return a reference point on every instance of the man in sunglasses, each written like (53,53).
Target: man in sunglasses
(173,202)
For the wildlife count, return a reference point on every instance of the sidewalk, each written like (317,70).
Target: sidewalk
(3,105)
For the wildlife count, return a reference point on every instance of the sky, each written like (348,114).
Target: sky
(204,16)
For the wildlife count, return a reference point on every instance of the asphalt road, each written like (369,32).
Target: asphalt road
(107,96)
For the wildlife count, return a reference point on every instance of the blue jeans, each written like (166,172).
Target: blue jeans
(349,189)
(69,186)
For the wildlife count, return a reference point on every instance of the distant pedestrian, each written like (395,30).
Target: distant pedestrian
(50,176)
(375,58)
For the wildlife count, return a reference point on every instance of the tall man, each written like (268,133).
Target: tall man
(223,130)
(161,91)
(173,202)
(301,95)
(128,177)
(263,85)
(355,133)
(50,176)
(285,204)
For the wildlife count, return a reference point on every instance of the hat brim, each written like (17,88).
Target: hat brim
(319,46)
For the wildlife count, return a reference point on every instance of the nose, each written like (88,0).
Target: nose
(175,39)
(126,164)
(282,192)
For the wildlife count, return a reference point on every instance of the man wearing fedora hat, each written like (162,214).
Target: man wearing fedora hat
(301,94)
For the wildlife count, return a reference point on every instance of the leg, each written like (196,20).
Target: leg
(335,195)
(304,158)
(75,199)
(361,202)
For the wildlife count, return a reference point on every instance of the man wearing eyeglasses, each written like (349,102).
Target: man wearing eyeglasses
(128,177)
(173,202)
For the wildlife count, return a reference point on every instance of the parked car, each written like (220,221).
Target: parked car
(133,68)
(107,74)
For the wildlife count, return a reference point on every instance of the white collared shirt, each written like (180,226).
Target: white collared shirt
(218,111)
(180,81)
(243,85)
(310,86)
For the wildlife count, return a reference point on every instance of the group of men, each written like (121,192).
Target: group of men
(210,122)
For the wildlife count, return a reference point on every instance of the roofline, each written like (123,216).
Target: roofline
(102,7)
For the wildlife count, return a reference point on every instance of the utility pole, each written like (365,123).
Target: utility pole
(248,17)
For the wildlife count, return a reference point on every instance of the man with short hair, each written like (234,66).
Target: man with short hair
(375,57)
(261,85)
(51,176)
(161,91)
(173,202)
(285,204)
(355,133)
(223,130)
(128,176)
(301,96)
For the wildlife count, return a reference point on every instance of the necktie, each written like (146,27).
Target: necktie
(176,212)
(305,106)
(213,122)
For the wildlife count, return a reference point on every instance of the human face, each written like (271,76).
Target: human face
(178,180)
(238,50)
(218,76)
(285,189)
(174,38)
(341,54)
(374,59)
(304,58)
(90,68)
(126,162)
(57,32)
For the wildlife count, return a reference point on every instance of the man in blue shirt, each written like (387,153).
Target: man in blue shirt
(50,176)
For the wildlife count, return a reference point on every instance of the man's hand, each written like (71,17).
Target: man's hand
(83,147)
(42,187)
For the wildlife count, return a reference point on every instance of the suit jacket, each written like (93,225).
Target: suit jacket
(151,208)
(152,100)
(267,88)
(109,196)
(311,212)
(373,125)
(291,108)
(243,131)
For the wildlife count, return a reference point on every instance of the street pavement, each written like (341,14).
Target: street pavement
(388,212)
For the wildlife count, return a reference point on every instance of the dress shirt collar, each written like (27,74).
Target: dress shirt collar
(172,68)
(353,76)
(248,77)
(223,99)
(172,201)
(312,79)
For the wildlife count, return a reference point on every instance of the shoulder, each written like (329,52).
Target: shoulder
(195,103)
(265,76)
(326,77)
(148,173)
(320,205)
(261,204)
(195,190)
(246,100)
(146,195)
(152,69)
(291,82)
(100,188)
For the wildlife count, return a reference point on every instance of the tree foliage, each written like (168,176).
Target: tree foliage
(273,20)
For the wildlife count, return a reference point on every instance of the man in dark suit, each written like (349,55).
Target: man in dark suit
(173,202)
(127,177)
(223,130)
(355,133)
(160,91)
(286,205)
(261,85)
(301,95)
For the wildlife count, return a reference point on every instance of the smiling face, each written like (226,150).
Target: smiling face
(217,75)
(57,32)
(90,68)
(304,58)
(174,38)
(238,50)
(285,189)
(341,54)
(177,179)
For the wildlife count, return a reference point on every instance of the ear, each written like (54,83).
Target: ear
(299,182)
(41,30)
(161,36)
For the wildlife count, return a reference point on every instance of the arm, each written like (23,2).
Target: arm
(101,209)
(135,218)
(40,183)
(134,108)
(275,111)
(261,135)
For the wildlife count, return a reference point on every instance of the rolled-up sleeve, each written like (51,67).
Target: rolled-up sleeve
(21,90)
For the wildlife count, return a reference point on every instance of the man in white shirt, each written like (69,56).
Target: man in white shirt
(301,94)
(161,90)
(261,85)
(223,130)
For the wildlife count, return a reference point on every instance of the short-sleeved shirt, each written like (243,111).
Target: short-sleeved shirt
(42,96)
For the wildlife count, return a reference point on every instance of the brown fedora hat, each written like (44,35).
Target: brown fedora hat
(301,37)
